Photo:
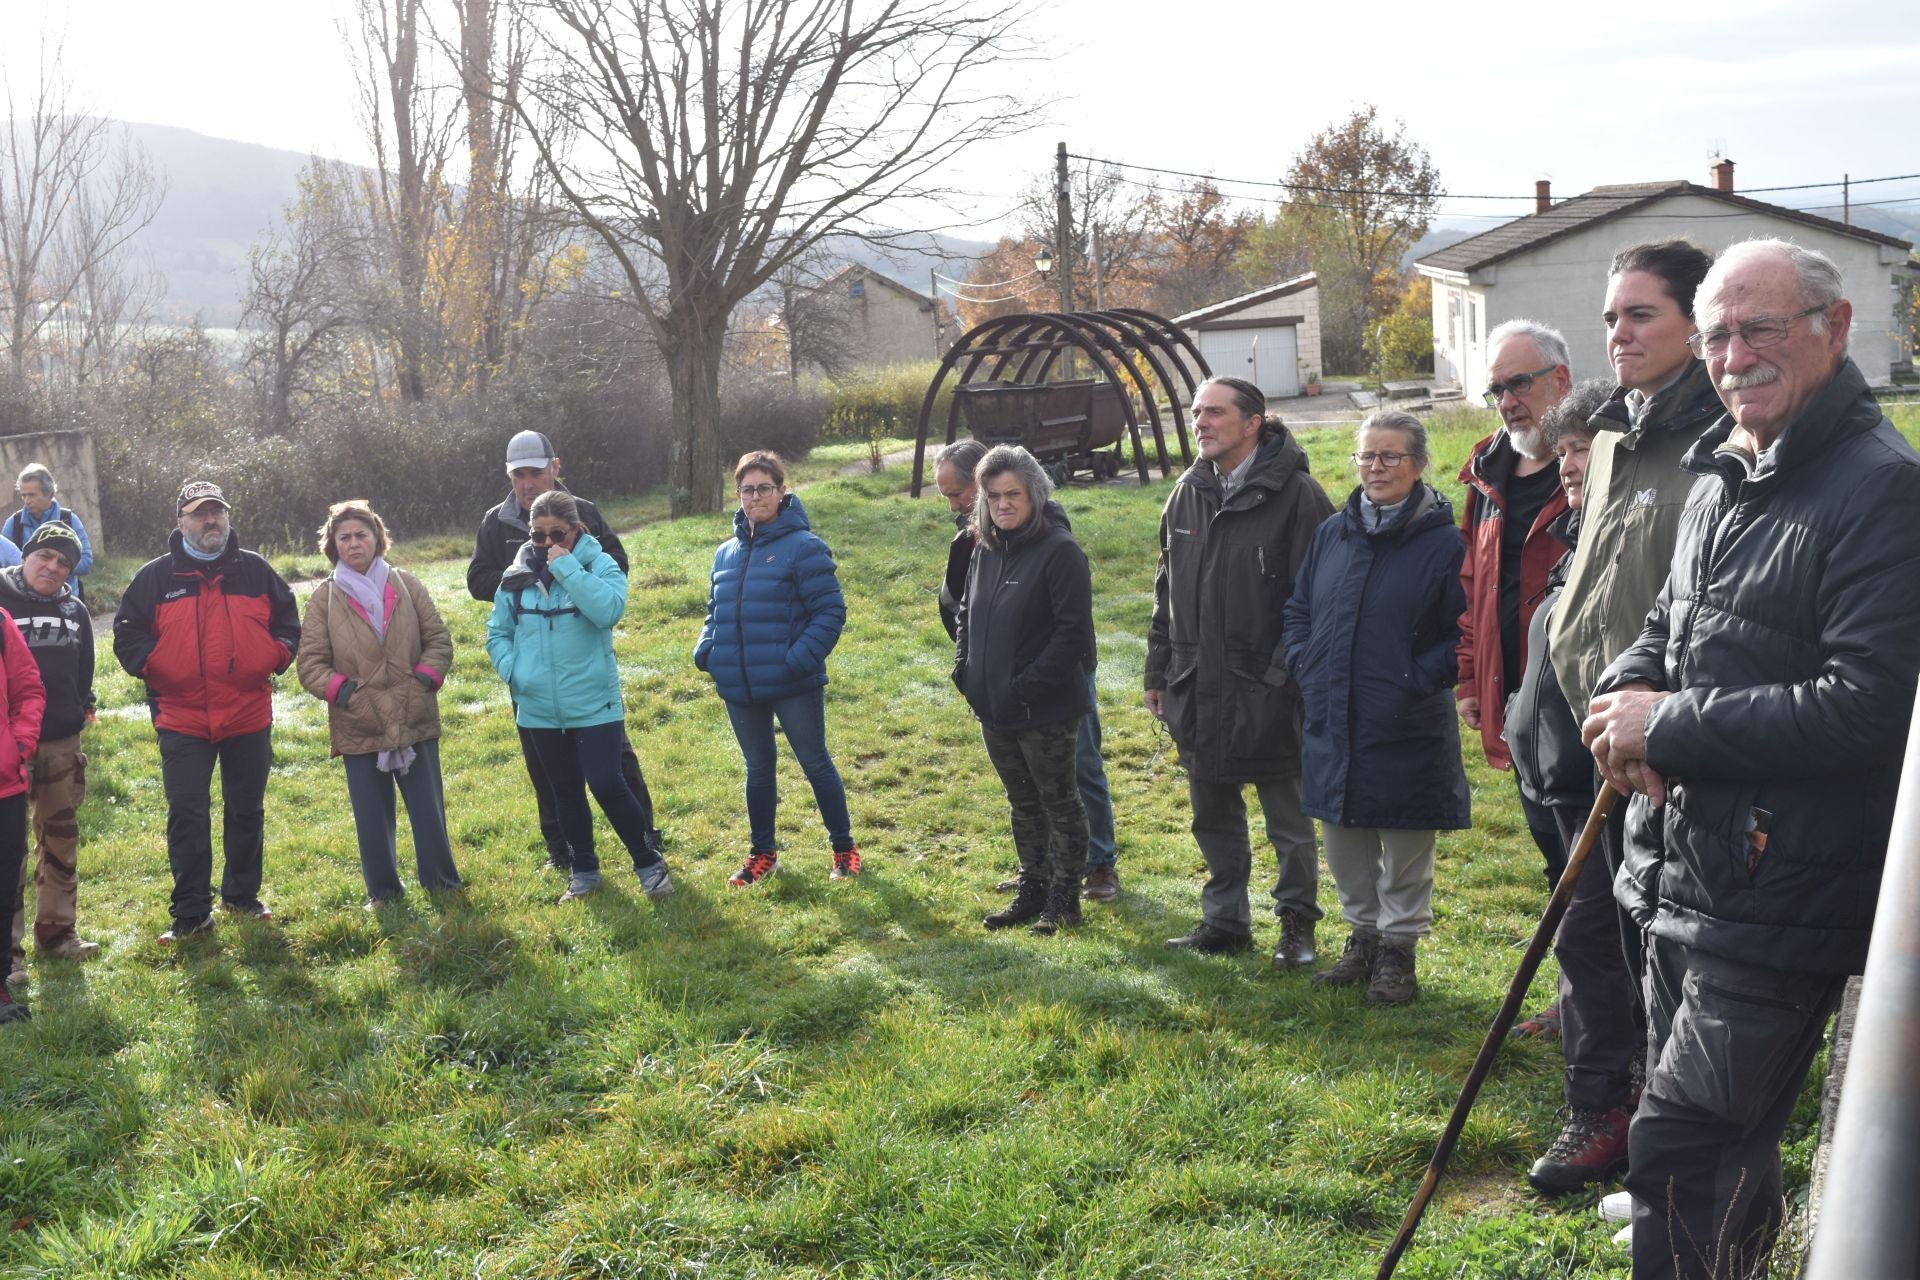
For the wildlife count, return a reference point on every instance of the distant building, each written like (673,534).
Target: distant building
(1270,337)
(878,321)
(1551,266)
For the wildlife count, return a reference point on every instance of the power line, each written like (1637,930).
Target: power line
(986,284)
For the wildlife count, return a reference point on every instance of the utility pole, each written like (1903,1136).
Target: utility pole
(1063,231)
(933,295)
(1099,275)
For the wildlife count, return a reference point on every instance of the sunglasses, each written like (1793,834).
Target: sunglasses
(541,537)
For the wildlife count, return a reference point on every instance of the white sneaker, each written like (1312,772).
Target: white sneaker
(1617,1207)
(1624,1236)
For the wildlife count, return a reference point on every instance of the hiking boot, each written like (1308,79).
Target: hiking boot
(184,929)
(1103,884)
(1592,1147)
(654,880)
(254,910)
(760,864)
(1211,940)
(1010,885)
(1063,912)
(1296,942)
(1544,1025)
(72,948)
(1393,981)
(580,884)
(11,1010)
(846,864)
(1355,964)
(1028,904)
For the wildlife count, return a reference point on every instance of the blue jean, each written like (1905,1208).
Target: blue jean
(1090,772)
(581,760)
(803,717)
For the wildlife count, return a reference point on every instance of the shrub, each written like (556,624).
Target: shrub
(873,405)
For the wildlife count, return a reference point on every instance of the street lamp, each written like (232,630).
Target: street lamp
(1043,263)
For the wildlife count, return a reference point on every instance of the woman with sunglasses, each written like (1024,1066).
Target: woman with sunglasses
(1370,633)
(774,613)
(551,640)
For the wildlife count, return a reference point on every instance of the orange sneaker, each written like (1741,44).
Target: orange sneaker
(845,865)
(758,866)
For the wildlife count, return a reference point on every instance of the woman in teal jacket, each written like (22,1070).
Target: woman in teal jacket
(551,640)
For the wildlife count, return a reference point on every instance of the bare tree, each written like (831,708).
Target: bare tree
(719,140)
(1113,221)
(1197,240)
(818,321)
(73,191)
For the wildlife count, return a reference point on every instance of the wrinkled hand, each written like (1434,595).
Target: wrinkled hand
(1470,712)
(1156,700)
(1615,730)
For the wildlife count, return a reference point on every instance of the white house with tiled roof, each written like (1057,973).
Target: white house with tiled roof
(1552,267)
(1270,337)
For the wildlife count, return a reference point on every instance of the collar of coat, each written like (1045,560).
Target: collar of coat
(1840,410)
(1422,509)
(1686,404)
(1275,460)
(791,517)
(520,573)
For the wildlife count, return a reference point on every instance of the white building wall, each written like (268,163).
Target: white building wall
(1306,304)
(1564,283)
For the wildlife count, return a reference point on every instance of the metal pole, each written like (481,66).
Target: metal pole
(1099,274)
(933,293)
(1867,1225)
(1063,229)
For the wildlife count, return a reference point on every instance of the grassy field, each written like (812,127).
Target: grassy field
(810,1078)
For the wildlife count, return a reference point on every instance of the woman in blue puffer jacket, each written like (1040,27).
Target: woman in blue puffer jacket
(551,640)
(774,613)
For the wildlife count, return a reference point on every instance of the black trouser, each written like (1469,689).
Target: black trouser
(186,772)
(1543,826)
(13,853)
(1729,1045)
(1602,1025)
(550,831)
(584,759)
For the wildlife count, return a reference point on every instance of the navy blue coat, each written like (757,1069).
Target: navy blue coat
(774,609)
(1370,633)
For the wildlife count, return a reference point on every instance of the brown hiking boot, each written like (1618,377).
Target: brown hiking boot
(1393,980)
(1296,942)
(1592,1147)
(1103,885)
(1355,964)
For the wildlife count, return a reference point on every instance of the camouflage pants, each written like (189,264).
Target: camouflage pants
(1038,768)
(59,774)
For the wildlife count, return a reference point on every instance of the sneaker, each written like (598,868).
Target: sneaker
(580,884)
(846,864)
(654,880)
(1624,1236)
(1393,980)
(1296,942)
(1616,1206)
(758,866)
(1592,1147)
(184,929)
(11,1010)
(1062,912)
(1544,1025)
(1103,884)
(1211,940)
(1028,904)
(17,975)
(255,910)
(1355,964)
(73,948)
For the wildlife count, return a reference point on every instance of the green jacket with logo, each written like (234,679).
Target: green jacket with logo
(1635,492)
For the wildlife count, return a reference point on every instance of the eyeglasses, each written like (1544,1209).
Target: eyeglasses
(1519,384)
(1758,333)
(758,490)
(541,537)
(1388,460)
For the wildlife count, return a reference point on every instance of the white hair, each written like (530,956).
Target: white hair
(1816,275)
(1550,343)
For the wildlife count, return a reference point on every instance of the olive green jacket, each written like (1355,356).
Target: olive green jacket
(1635,492)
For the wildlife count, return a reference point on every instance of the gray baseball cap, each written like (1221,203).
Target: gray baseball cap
(529,449)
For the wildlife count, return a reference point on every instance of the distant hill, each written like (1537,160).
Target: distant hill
(1888,222)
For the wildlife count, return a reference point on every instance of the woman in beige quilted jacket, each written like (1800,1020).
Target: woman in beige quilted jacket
(373,648)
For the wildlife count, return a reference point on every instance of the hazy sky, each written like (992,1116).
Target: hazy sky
(1795,91)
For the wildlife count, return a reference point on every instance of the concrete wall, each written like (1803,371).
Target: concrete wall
(1305,303)
(69,455)
(1564,284)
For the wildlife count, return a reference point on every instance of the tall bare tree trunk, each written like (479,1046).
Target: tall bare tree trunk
(696,477)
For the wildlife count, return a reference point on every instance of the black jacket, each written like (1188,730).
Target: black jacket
(1789,633)
(953,588)
(1371,632)
(59,634)
(1025,638)
(1224,576)
(504,529)
(1554,767)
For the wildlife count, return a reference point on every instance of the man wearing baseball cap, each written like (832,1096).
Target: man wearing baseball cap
(39,596)
(533,467)
(207,626)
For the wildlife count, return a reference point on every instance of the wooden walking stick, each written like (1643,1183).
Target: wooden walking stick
(1502,1023)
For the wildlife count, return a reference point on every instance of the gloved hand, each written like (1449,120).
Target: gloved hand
(346,691)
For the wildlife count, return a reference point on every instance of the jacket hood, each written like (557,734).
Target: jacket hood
(1277,457)
(1425,507)
(1684,405)
(792,517)
(15,580)
(1491,465)
(521,571)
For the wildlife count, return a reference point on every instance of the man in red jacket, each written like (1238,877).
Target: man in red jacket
(1513,494)
(207,626)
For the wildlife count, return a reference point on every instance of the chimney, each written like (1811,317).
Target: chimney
(1722,172)
(1542,195)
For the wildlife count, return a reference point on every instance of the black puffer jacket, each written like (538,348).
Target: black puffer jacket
(1026,630)
(1554,767)
(1789,633)
(59,633)
(1225,573)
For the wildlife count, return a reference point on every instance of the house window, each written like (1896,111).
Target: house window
(1473,322)
(857,289)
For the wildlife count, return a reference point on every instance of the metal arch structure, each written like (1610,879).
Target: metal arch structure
(1025,347)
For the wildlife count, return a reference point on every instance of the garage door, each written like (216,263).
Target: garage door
(1268,358)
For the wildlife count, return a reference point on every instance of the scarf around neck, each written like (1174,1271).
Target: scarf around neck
(368,590)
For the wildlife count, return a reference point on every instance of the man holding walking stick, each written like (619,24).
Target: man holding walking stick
(1760,714)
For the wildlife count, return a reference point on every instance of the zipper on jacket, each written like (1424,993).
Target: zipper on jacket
(740,612)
